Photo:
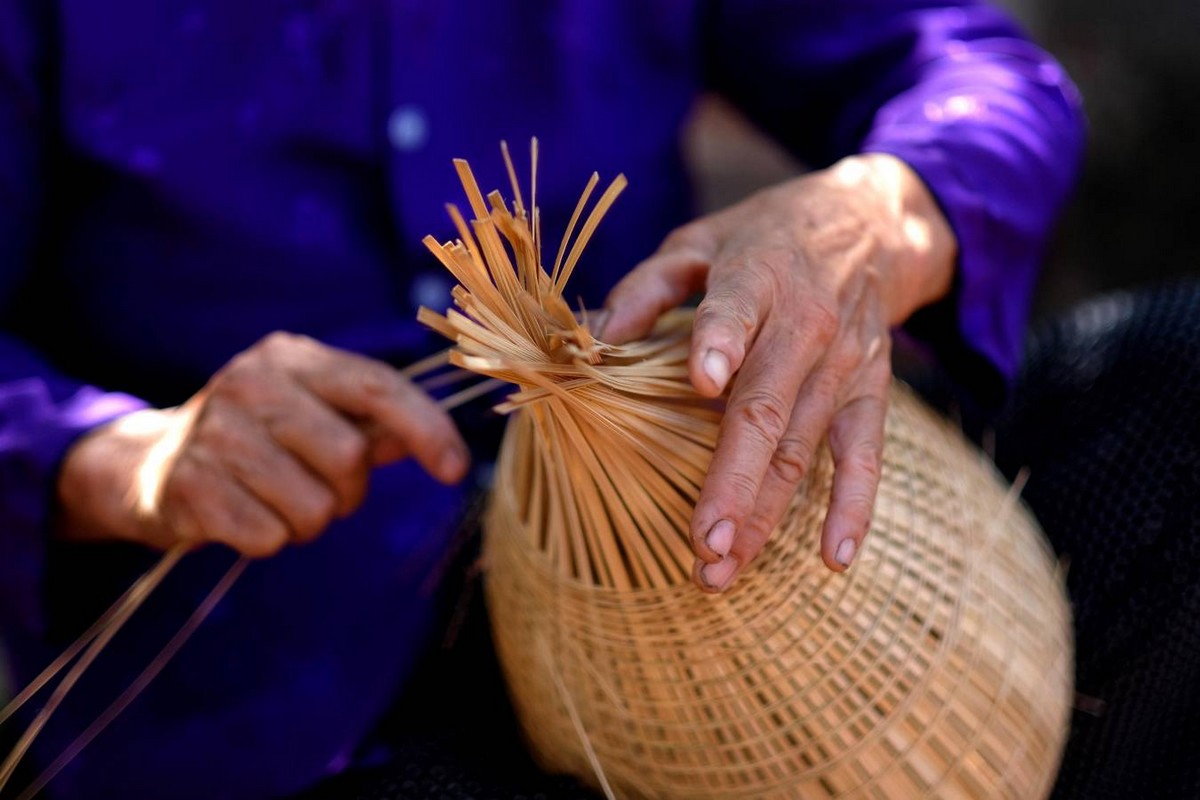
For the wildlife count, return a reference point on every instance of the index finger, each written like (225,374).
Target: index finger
(756,420)
(373,392)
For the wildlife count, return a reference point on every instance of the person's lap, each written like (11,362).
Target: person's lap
(1106,417)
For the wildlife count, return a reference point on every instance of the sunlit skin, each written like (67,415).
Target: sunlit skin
(801,283)
(278,444)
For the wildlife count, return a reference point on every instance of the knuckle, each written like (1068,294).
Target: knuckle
(868,461)
(880,351)
(284,349)
(319,507)
(766,279)
(351,494)
(243,381)
(742,489)
(859,506)
(324,505)
(821,320)
(730,314)
(184,485)
(791,460)
(685,237)
(348,452)
(267,539)
(827,388)
(870,472)
(378,381)
(192,517)
(677,239)
(174,513)
(765,413)
(869,362)
(280,342)
(769,269)
(217,432)
(864,465)
(845,359)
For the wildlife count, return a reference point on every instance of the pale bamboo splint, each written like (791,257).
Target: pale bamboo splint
(940,665)
(78,657)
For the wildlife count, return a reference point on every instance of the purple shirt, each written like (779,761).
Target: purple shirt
(178,179)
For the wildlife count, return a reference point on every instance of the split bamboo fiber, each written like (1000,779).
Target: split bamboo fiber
(938,666)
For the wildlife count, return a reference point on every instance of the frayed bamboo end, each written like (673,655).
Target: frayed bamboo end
(616,442)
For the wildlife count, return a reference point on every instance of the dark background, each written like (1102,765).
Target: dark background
(1135,218)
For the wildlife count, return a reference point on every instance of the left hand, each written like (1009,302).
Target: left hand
(802,283)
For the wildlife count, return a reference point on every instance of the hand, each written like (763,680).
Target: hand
(802,283)
(279,443)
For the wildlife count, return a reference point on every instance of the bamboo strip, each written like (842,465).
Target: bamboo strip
(126,609)
(99,634)
(938,666)
(143,680)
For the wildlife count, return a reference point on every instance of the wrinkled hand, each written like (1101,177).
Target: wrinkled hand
(279,443)
(802,283)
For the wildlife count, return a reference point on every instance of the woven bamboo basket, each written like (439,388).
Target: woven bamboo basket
(938,666)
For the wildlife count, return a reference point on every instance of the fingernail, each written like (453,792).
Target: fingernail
(716,367)
(718,575)
(720,537)
(845,552)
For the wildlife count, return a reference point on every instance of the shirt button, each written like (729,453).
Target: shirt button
(407,128)
(430,290)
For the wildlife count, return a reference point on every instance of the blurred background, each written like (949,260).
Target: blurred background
(1135,217)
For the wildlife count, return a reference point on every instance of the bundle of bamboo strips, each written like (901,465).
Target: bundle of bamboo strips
(940,665)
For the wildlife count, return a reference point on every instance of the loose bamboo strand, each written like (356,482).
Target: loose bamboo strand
(474,260)
(143,680)
(77,647)
(97,637)
(444,379)
(533,184)
(129,607)
(512,178)
(578,723)
(592,549)
(470,393)
(418,369)
(934,667)
(463,272)
(566,237)
(500,266)
(585,235)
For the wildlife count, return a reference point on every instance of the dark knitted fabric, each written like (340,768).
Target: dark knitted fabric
(1107,419)
(452,735)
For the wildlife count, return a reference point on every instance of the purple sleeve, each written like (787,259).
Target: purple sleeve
(989,121)
(41,411)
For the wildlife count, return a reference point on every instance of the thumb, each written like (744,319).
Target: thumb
(655,286)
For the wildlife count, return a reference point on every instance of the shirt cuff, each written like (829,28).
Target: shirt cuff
(977,331)
(35,434)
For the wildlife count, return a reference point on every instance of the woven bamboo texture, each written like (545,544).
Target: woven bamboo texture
(938,666)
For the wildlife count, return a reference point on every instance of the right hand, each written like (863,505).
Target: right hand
(278,444)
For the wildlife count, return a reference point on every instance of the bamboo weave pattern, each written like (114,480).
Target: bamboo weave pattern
(938,666)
